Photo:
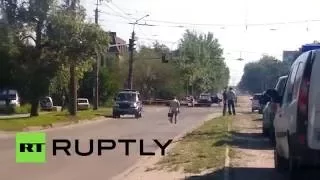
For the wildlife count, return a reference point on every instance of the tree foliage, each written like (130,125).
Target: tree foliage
(262,75)
(42,39)
(201,63)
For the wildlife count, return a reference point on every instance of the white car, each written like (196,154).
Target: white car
(255,102)
(297,122)
(83,104)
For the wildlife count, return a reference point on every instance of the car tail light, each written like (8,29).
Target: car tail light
(303,102)
(302,139)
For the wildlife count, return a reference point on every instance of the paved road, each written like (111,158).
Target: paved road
(154,124)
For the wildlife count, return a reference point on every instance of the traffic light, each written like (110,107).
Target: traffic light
(131,45)
(163,58)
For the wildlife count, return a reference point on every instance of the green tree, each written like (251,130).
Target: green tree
(33,63)
(262,75)
(201,63)
(77,42)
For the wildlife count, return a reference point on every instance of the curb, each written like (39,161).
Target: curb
(226,173)
(54,126)
(141,162)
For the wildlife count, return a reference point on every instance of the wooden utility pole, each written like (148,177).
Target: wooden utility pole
(96,67)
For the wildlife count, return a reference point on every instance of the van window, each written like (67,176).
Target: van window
(289,87)
(281,85)
(298,80)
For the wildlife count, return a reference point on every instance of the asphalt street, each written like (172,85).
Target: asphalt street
(153,125)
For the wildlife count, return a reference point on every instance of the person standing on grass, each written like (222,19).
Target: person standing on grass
(174,110)
(224,99)
(231,97)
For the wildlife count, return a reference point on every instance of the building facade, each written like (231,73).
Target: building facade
(117,50)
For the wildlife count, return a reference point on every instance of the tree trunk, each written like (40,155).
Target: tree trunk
(34,107)
(73,90)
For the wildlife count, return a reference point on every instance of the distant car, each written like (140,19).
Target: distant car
(204,100)
(83,104)
(255,102)
(127,102)
(46,103)
(216,99)
(9,98)
(191,101)
(271,109)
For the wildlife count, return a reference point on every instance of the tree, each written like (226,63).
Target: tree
(77,42)
(201,63)
(33,62)
(262,75)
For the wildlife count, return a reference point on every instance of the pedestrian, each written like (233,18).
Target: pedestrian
(174,110)
(231,97)
(224,99)
(63,104)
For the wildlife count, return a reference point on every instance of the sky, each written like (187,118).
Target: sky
(244,28)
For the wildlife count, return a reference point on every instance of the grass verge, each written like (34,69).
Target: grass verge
(18,124)
(202,149)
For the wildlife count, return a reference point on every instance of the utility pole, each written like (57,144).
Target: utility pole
(96,67)
(131,49)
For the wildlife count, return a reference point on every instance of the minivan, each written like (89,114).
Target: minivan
(297,121)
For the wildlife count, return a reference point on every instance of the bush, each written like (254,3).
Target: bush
(23,109)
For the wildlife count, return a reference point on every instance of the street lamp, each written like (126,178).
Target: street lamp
(131,45)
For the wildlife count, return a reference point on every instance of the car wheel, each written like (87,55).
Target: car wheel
(137,115)
(265,131)
(280,163)
(114,116)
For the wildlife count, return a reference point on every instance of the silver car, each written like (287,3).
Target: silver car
(270,109)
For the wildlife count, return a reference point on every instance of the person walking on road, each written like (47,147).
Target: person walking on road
(231,97)
(174,110)
(224,99)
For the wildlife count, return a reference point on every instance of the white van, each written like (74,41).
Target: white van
(297,121)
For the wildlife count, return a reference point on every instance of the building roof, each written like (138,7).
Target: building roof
(114,40)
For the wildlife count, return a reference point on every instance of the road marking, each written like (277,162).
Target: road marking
(227,160)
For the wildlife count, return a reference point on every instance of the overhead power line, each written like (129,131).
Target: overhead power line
(183,24)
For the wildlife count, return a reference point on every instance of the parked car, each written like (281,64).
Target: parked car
(204,100)
(191,101)
(255,102)
(270,109)
(264,99)
(83,104)
(297,122)
(127,102)
(9,99)
(46,103)
(216,99)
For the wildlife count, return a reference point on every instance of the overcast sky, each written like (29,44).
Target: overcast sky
(227,19)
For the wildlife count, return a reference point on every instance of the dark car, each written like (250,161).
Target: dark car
(204,100)
(127,102)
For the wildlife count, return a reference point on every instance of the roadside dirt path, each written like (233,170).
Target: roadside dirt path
(251,154)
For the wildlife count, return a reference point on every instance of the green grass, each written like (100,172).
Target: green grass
(18,124)
(202,149)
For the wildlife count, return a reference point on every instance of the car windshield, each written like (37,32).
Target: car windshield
(126,97)
(45,100)
(204,96)
(82,101)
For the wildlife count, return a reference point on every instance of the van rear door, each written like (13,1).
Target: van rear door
(314,104)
